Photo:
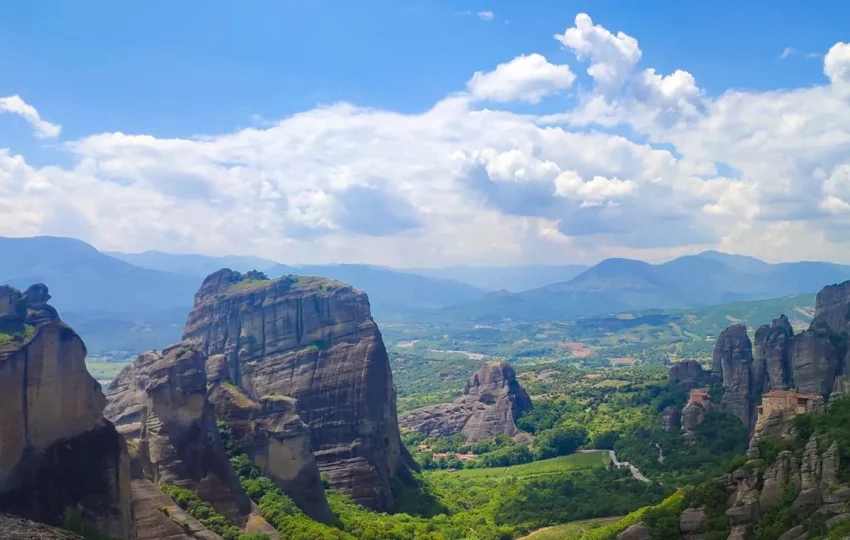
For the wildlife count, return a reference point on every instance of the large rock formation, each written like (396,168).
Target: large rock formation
(732,360)
(687,375)
(832,307)
(755,489)
(694,413)
(490,405)
(57,452)
(16,528)
(159,402)
(812,362)
(815,361)
(313,340)
(273,435)
(772,355)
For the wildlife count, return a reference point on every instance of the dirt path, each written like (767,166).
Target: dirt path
(532,533)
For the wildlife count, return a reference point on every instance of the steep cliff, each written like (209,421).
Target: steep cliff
(733,361)
(832,307)
(313,340)
(772,352)
(160,403)
(273,435)
(815,361)
(492,401)
(57,452)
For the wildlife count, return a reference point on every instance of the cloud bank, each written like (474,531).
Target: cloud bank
(471,182)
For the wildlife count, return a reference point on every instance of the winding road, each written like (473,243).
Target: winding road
(634,470)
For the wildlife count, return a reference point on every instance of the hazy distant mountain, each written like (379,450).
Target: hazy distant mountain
(391,292)
(121,305)
(190,264)
(617,285)
(508,278)
(81,278)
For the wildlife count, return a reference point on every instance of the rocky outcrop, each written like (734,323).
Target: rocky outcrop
(313,340)
(693,523)
(785,470)
(755,489)
(815,361)
(57,452)
(687,375)
(160,403)
(772,351)
(670,418)
(832,307)
(492,401)
(638,531)
(158,517)
(732,360)
(16,528)
(273,435)
(694,414)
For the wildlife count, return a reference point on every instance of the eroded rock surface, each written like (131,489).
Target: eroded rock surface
(492,401)
(772,351)
(732,360)
(313,340)
(160,402)
(273,435)
(57,452)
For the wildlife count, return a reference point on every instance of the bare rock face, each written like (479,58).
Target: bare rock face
(16,528)
(56,450)
(314,340)
(160,401)
(159,518)
(686,375)
(745,509)
(694,414)
(772,352)
(832,307)
(783,471)
(638,531)
(693,522)
(670,418)
(816,361)
(493,399)
(273,435)
(733,358)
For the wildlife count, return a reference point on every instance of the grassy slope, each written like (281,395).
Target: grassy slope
(570,531)
(584,460)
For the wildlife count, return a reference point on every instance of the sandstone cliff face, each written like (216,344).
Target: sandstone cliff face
(273,435)
(812,362)
(815,362)
(687,375)
(754,490)
(160,402)
(772,351)
(694,414)
(832,307)
(56,450)
(313,340)
(492,401)
(732,360)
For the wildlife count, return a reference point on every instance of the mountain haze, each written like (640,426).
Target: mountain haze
(192,264)
(506,278)
(618,285)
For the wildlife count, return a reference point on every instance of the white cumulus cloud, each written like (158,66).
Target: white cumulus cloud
(525,78)
(469,182)
(16,105)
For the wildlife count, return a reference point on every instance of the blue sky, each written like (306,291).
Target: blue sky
(181,68)
(704,136)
